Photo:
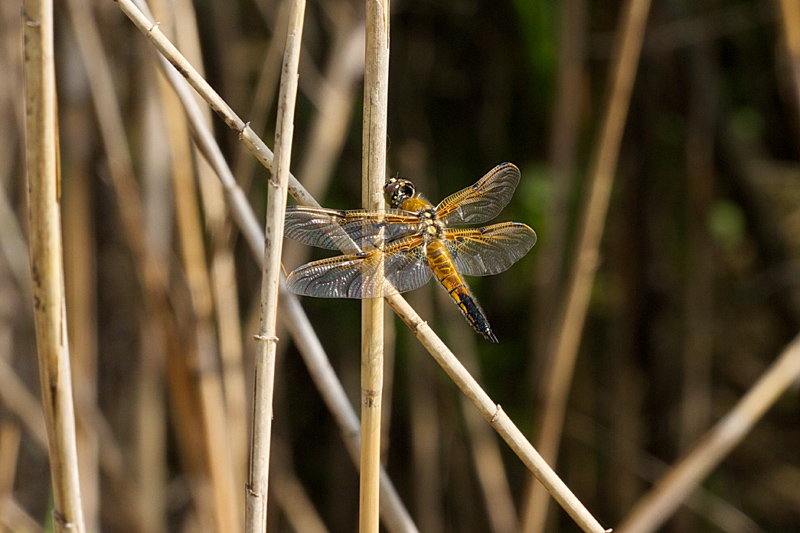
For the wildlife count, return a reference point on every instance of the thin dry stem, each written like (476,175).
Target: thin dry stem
(226,413)
(151,414)
(566,339)
(15,517)
(80,279)
(256,507)
(657,505)
(201,353)
(395,516)
(790,18)
(328,132)
(243,216)
(47,270)
(373,176)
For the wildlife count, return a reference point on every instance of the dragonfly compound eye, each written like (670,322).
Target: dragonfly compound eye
(398,190)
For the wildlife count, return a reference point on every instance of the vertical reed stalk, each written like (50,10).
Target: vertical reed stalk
(47,269)
(256,505)
(564,344)
(373,176)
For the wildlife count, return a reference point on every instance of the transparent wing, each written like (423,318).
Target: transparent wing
(359,276)
(484,200)
(334,229)
(489,250)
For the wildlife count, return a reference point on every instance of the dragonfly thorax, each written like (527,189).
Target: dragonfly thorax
(430,227)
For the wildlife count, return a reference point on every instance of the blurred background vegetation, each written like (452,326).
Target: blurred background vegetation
(696,291)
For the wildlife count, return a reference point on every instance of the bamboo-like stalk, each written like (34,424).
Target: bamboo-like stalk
(242,214)
(47,269)
(373,177)
(258,483)
(564,344)
(657,505)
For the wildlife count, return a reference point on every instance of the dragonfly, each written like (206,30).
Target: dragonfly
(412,241)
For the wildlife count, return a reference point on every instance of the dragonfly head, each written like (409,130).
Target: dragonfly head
(398,190)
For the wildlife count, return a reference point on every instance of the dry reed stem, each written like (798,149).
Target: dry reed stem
(222,274)
(151,414)
(790,18)
(47,270)
(242,214)
(200,354)
(80,281)
(328,131)
(15,517)
(565,342)
(656,506)
(258,483)
(226,413)
(373,177)
(395,516)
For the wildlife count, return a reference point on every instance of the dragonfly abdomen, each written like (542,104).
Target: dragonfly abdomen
(442,265)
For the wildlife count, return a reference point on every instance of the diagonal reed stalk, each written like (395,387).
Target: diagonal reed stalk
(657,505)
(242,214)
(373,176)
(258,483)
(564,344)
(47,268)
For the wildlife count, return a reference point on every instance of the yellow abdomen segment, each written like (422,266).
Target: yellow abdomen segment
(442,265)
